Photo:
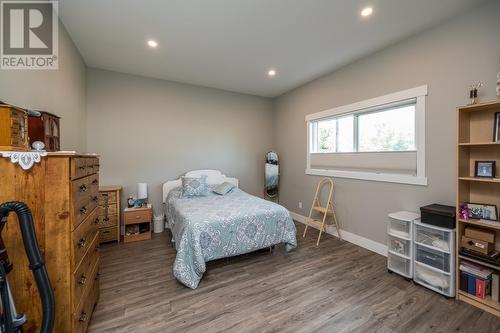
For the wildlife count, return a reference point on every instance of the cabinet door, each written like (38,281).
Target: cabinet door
(54,127)
(46,125)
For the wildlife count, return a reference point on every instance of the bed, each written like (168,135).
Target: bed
(214,226)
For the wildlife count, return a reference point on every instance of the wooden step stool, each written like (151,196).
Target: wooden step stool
(327,210)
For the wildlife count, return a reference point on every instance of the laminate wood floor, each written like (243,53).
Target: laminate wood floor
(336,287)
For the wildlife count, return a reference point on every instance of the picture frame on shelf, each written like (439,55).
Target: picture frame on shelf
(482,211)
(496,127)
(485,169)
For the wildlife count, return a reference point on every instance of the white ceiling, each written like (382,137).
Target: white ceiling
(230,44)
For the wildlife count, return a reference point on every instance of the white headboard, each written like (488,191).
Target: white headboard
(213,177)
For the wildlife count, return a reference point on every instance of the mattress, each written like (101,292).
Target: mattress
(214,226)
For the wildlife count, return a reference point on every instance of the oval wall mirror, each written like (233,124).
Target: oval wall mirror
(272,176)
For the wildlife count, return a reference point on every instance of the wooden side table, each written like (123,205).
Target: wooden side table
(109,213)
(137,223)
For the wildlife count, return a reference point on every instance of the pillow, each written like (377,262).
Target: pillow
(224,188)
(194,187)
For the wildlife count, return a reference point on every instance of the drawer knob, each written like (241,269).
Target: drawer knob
(83,317)
(82,168)
(82,242)
(106,219)
(95,182)
(96,221)
(83,188)
(94,199)
(83,210)
(83,280)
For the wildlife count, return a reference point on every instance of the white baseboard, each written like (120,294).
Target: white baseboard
(349,236)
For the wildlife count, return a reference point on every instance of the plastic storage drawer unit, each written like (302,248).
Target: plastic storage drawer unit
(400,243)
(434,260)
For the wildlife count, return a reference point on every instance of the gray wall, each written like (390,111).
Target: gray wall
(151,131)
(61,92)
(448,59)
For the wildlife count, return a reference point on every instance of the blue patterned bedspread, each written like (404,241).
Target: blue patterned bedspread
(215,226)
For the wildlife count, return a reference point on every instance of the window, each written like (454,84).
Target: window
(379,139)
(390,128)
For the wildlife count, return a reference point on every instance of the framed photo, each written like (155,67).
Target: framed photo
(482,211)
(496,127)
(485,169)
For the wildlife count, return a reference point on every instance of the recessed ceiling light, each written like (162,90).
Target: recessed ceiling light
(367,11)
(271,72)
(152,43)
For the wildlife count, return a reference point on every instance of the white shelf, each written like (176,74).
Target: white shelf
(430,226)
(404,216)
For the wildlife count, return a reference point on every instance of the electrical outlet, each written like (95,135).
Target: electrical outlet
(300,204)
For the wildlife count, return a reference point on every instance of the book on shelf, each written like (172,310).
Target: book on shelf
(495,287)
(477,280)
(471,284)
(475,286)
(482,288)
(475,269)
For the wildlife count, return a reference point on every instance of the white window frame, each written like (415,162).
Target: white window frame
(419,94)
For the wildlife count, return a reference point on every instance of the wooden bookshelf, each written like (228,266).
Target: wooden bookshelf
(475,142)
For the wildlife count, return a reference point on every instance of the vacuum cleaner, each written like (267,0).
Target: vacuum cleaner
(10,320)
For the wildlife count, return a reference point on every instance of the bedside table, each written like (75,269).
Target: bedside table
(109,213)
(138,221)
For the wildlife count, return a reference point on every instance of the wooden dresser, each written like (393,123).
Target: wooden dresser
(13,128)
(109,213)
(62,193)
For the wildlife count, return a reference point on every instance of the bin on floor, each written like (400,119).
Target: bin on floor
(159,224)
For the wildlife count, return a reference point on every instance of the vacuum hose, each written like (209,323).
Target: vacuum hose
(36,262)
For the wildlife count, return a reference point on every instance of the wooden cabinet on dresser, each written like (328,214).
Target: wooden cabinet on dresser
(46,129)
(13,128)
(62,193)
(109,213)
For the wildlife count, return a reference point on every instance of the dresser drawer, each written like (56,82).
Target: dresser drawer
(112,209)
(82,210)
(107,197)
(78,167)
(110,221)
(82,237)
(92,165)
(80,190)
(137,216)
(94,184)
(83,277)
(81,317)
(108,234)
